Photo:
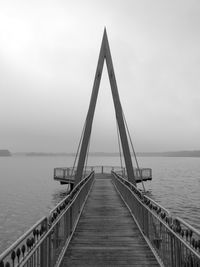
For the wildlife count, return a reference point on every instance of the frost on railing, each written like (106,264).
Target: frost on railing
(43,243)
(176,243)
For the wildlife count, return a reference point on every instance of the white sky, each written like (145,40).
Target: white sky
(48,57)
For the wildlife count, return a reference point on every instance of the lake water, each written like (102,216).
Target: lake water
(28,191)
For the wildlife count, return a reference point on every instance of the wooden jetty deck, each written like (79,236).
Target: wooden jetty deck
(106,234)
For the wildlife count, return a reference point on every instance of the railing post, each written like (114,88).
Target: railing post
(66,225)
(102,169)
(172,249)
(70,219)
(56,234)
(64,173)
(44,249)
(145,222)
(49,251)
(68,169)
(178,252)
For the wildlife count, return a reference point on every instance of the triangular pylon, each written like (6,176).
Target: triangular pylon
(105,55)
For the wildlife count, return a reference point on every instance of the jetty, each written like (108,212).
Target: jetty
(106,220)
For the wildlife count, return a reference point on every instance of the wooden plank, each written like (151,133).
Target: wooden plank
(106,234)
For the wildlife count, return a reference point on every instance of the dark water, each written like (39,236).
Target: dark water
(28,192)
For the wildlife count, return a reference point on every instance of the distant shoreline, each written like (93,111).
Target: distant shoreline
(193,153)
(5,153)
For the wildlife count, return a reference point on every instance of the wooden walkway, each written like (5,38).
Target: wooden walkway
(106,234)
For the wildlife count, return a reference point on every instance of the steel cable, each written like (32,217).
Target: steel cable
(137,164)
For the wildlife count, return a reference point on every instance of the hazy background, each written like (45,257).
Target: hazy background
(48,56)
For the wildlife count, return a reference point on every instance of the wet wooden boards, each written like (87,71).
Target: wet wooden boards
(106,234)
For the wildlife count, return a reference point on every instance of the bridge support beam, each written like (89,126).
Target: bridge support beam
(105,54)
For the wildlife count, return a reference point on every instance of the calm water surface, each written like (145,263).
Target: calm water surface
(28,191)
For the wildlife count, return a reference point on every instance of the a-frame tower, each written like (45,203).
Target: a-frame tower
(105,55)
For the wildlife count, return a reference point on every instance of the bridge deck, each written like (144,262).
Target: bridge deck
(106,234)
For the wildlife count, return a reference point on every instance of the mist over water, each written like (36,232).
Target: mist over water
(28,191)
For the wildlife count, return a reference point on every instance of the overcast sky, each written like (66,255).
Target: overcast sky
(48,57)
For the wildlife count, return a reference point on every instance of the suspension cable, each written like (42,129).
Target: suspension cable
(137,164)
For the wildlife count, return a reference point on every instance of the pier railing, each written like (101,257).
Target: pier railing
(69,172)
(43,244)
(21,249)
(175,242)
(64,173)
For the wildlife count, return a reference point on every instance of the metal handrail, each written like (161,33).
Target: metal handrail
(67,173)
(99,166)
(24,237)
(71,193)
(41,244)
(188,233)
(197,232)
(90,167)
(47,260)
(158,205)
(164,233)
(152,203)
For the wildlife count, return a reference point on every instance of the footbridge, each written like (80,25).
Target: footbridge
(106,220)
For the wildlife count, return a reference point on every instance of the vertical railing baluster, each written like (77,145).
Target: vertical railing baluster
(102,169)
(43,249)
